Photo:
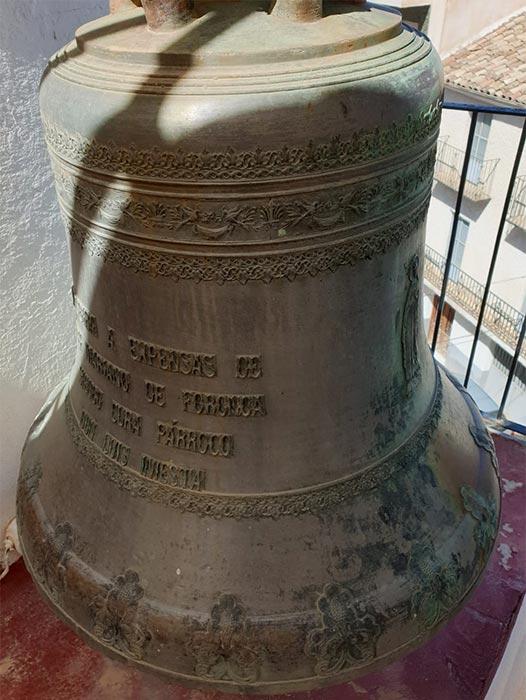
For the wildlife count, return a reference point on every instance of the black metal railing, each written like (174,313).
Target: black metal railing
(479,177)
(517,212)
(485,299)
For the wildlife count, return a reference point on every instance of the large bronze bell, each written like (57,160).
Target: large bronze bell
(256,478)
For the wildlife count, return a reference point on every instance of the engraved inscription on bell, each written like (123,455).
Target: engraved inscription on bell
(116,450)
(126,419)
(171,360)
(169,473)
(246,405)
(155,393)
(95,394)
(115,375)
(182,438)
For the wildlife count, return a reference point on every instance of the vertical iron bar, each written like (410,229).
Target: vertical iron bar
(458,205)
(512,369)
(496,247)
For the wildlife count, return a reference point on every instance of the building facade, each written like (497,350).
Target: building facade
(488,71)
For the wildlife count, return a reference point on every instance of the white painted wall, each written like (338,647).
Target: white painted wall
(453,23)
(36,313)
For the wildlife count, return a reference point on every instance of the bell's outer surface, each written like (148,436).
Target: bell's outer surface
(255,479)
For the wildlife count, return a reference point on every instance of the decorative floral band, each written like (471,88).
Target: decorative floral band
(175,218)
(266,267)
(130,160)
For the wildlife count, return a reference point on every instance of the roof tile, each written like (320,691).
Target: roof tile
(493,64)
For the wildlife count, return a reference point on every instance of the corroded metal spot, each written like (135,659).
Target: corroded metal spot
(484,511)
(440,586)
(29,480)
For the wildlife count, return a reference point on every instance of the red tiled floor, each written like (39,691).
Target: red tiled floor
(43,659)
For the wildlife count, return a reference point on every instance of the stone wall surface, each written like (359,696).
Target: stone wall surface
(36,311)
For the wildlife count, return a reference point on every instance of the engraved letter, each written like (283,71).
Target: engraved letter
(155,393)
(111,338)
(88,425)
(249,366)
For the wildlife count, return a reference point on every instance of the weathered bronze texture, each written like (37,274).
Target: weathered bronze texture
(166,15)
(120,5)
(256,478)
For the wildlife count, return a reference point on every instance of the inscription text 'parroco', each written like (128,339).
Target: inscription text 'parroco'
(214,444)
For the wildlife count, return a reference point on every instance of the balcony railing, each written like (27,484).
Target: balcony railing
(477,299)
(499,317)
(517,212)
(479,176)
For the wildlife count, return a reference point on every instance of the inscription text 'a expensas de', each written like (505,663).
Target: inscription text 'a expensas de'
(241,405)
(170,360)
(214,444)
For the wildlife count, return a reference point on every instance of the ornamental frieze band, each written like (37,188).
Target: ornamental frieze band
(264,268)
(275,218)
(364,146)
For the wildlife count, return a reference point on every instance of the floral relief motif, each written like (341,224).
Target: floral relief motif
(265,268)
(482,438)
(410,320)
(116,615)
(441,588)
(53,556)
(226,647)
(484,511)
(348,634)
